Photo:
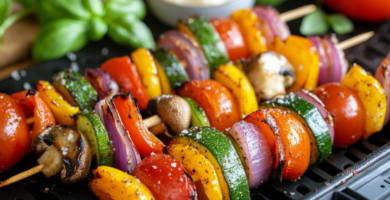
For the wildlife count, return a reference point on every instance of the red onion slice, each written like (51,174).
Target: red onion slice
(190,56)
(338,63)
(101,81)
(313,99)
(126,156)
(255,150)
(272,24)
(383,76)
(322,76)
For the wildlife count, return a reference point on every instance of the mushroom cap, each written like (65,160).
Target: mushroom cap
(270,73)
(74,148)
(173,110)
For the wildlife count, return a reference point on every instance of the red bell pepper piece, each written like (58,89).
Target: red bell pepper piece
(33,105)
(143,139)
(126,76)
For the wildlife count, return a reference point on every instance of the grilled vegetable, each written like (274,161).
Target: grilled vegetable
(165,177)
(188,52)
(34,106)
(126,156)
(198,116)
(218,149)
(75,89)
(171,66)
(144,62)
(205,35)
(14,133)
(126,76)
(347,111)
(232,37)
(101,81)
(218,103)
(296,141)
(268,126)
(200,169)
(122,185)
(372,96)
(65,149)
(249,22)
(61,109)
(234,80)
(382,75)
(307,113)
(305,63)
(128,113)
(92,128)
(257,156)
(164,81)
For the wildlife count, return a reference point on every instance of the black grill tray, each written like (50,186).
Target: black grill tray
(356,172)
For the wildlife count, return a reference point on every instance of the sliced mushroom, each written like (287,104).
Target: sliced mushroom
(270,73)
(173,110)
(64,148)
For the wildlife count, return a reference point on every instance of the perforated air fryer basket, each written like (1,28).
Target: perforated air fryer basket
(357,172)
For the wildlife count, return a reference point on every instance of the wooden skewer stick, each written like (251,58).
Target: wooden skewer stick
(23,175)
(297,13)
(355,40)
(30,120)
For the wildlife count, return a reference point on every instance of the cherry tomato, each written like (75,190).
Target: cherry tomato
(126,76)
(364,10)
(165,177)
(34,106)
(231,36)
(296,142)
(218,102)
(143,139)
(347,111)
(14,133)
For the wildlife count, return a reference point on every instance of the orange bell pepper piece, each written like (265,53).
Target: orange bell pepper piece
(143,139)
(33,105)
(218,102)
(126,76)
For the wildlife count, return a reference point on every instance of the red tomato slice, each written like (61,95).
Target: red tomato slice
(165,177)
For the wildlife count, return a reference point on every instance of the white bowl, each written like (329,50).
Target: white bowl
(169,13)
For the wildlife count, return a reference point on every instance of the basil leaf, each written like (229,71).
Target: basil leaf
(340,23)
(314,23)
(5,10)
(26,3)
(130,31)
(97,29)
(59,37)
(116,8)
(50,10)
(270,2)
(95,7)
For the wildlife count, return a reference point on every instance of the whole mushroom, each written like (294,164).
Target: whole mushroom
(270,73)
(173,110)
(64,149)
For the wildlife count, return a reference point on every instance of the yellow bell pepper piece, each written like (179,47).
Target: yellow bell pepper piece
(218,169)
(61,109)
(248,22)
(111,183)
(304,58)
(147,69)
(165,85)
(199,167)
(372,96)
(236,81)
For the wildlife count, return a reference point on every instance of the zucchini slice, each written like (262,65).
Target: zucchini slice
(198,116)
(75,89)
(171,66)
(89,124)
(308,114)
(219,150)
(202,31)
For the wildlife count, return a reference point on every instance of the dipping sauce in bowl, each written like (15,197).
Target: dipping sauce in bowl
(169,11)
